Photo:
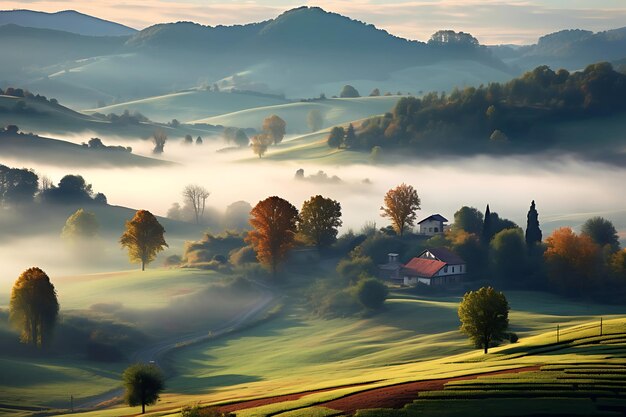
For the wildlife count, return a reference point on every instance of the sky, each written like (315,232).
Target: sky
(491,21)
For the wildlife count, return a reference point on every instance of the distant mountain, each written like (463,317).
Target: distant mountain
(301,53)
(570,49)
(67,21)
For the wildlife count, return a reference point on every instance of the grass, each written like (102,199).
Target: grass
(335,112)
(158,302)
(191,105)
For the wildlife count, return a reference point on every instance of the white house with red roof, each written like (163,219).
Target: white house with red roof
(437,266)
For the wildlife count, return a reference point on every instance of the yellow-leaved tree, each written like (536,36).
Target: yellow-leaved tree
(143,238)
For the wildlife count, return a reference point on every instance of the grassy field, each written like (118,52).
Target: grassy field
(415,338)
(191,105)
(334,111)
(159,303)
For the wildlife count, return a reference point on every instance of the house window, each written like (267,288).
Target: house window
(436,230)
(453,270)
(445,269)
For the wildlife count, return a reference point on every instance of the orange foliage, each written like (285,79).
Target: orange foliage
(574,261)
(275,224)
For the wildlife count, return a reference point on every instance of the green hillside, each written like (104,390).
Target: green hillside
(191,105)
(334,112)
(35,115)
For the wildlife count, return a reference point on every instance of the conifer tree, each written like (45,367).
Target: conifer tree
(487,227)
(533,232)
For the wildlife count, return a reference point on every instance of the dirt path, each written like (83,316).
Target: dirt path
(156,352)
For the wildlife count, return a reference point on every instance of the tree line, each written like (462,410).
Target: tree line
(517,113)
(19,186)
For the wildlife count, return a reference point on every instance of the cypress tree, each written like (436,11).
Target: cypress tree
(533,232)
(487,227)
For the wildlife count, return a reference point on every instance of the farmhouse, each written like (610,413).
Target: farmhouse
(432,225)
(438,266)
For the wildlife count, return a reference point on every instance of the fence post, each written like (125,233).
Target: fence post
(557,333)
(600,326)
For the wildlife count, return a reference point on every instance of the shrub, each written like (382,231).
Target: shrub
(352,269)
(372,293)
(513,338)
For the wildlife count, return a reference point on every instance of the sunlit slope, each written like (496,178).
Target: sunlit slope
(334,112)
(192,105)
(44,117)
(298,351)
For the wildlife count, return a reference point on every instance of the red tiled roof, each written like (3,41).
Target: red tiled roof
(425,268)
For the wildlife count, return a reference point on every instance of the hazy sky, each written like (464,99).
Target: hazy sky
(491,21)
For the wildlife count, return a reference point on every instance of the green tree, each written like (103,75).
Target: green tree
(315,120)
(143,384)
(401,205)
(508,257)
(349,92)
(336,136)
(484,316)
(34,308)
(275,128)
(188,140)
(352,269)
(468,219)
(143,238)
(241,138)
(319,219)
(533,232)
(375,93)
(350,138)
(602,232)
(371,293)
(81,225)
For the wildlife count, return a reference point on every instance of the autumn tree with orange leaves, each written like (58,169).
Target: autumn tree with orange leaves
(574,261)
(275,223)
(401,205)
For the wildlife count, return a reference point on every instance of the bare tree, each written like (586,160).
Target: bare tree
(196,196)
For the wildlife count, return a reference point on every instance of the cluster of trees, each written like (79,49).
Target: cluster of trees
(96,144)
(23,186)
(126,118)
(496,249)
(237,136)
(342,138)
(517,112)
(276,222)
(273,132)
(23,93)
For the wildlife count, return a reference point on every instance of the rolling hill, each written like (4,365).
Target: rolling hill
(334,111)
(66,20)
(192,105)
(43,116)
(570,49)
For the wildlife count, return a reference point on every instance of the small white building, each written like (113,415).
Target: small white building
(433,225)
(438,266)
